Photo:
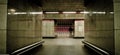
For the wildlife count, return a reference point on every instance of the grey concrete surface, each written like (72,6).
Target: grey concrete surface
(22,33)
(64,16)
(99,27)
(23,29)
(3,24)
(61,46)
(117,26)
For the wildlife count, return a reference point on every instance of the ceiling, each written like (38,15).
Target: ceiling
(62,5)
(49,5)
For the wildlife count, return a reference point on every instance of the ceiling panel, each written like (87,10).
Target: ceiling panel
(63,5)
(48,5)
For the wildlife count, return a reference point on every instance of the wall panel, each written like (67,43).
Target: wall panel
(99,24)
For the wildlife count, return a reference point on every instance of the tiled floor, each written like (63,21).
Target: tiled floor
(61,46)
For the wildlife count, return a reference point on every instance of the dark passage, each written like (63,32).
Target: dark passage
(61,46)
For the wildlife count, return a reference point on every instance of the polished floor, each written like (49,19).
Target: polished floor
(61,46)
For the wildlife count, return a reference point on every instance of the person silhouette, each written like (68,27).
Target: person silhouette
(71,31)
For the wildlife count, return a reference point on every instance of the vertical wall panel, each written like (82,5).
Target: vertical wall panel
(79,28)
(3,24)
(23,29)
(38,26)
(48,28)
(99,24)
(117,26)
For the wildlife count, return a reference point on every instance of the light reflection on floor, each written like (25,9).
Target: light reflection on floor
(61,46)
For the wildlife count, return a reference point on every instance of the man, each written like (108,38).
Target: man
(71,31)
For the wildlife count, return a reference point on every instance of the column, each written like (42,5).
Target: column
(3,23)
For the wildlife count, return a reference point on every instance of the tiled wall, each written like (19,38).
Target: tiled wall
(23,29)
(99,24)
(117,26)
(79,28)
(3,22)
(48,28)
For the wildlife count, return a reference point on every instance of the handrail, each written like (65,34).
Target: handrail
(4,54)
(97,49)
(27,48)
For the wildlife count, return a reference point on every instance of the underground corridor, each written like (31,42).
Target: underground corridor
(59,27)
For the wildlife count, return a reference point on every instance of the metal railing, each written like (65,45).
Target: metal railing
(27,48)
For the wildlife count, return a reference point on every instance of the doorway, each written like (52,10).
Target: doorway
(62,28)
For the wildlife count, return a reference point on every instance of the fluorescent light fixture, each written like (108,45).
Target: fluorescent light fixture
(9,13)
(94,12)
(52,12)
(12,10)
(85,12)
(69,12)
(26,13)
(20,13)
(111,12)
(36,12)
(100,12)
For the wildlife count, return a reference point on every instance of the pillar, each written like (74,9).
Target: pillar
(3,23)
(117,26)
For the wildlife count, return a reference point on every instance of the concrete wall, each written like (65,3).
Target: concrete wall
(99,24)
(63,16)
(117,26)
(79,28)
(3,22)
(23,29)
(48,28)
(38,24)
